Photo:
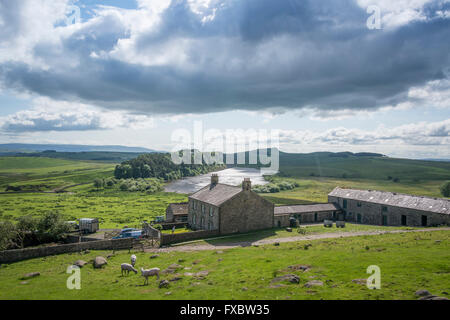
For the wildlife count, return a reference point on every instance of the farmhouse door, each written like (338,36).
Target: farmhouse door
(403,220)
(424,221)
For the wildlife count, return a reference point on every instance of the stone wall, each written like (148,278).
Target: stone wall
(372,213)
(246,212)
(149,231)
(282,221)
(312,217)
(169,214)
(187,236)
(10,256)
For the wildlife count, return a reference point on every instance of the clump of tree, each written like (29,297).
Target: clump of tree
(275,187)
(50,227)
(151,185)
(445,189)
(160,166)
(104,183)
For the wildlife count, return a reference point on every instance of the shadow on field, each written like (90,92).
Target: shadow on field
(242,240)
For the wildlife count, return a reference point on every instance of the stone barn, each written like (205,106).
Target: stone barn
(393,209)
(177,212)
(229,209)
(310,213)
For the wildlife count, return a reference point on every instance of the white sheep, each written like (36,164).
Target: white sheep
(127,268)
(133,260)
(150,273)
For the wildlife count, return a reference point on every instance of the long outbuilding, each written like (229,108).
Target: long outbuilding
(308,213)
(389,208)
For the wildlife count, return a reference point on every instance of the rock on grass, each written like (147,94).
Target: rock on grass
(80,263)
(291,278)
(31,275)
(164,284)
(100,262)
(314,283)
(422,293)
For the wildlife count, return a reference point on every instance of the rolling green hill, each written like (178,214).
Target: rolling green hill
(102,156)
(360,166)
(44,174)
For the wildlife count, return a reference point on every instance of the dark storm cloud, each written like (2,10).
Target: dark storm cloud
(253,55)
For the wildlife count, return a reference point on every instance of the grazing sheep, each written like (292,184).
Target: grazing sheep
(133,260)
(149,273)
(127,268)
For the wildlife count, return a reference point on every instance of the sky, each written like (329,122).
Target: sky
(325,75)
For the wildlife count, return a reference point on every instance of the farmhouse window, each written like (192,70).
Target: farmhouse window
(345,203)
(211,211)
(358,204)
(385,209)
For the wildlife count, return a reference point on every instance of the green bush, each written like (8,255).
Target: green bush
(275,187)
(148,186)
(99,183)
(445,189)
(7,235)
(51,227)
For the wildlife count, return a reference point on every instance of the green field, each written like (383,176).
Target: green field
(114,209)
(332,165)
(45,174)
(317,189)
(408,262)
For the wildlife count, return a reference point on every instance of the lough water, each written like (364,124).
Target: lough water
(232,176)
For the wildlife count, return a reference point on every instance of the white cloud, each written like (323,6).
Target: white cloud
(398,12)
(423,133)
(50,115)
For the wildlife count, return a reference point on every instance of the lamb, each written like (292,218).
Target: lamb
(150,273)
(127,268)
(133,260)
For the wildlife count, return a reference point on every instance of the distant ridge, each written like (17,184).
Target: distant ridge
(433,159)
(20,147)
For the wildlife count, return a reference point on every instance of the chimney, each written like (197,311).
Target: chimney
(247,184)
(214,178)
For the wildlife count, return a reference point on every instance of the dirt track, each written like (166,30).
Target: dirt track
(230,245)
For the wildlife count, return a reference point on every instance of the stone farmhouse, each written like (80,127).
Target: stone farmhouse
(229,209)
(387,208)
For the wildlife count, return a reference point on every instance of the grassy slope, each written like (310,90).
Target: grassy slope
(317,189)
(50,173)
(114,209)
(313,229)
(408,262)
(373,168)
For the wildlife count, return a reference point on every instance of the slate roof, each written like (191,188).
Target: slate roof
(437,205)
(308,208)
(216,194)
(179,208)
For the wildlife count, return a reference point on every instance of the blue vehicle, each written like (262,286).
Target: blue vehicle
(129,233)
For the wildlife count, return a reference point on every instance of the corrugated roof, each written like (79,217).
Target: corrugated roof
(179,208)
(437,205)
(216,194)
(307,208)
